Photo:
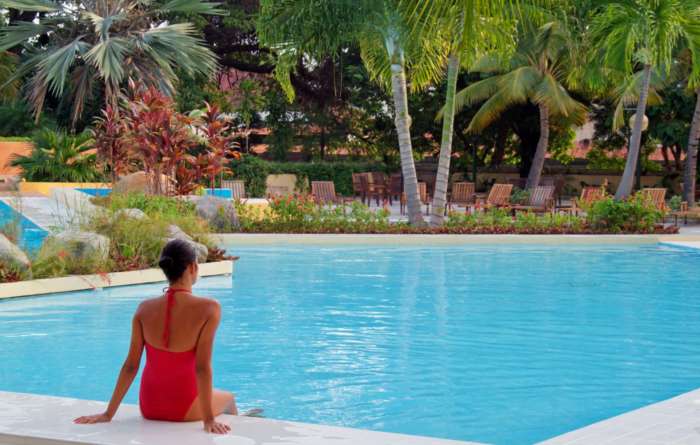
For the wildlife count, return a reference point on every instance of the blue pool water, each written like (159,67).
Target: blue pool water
(95,191)
(31,236)
(498,344)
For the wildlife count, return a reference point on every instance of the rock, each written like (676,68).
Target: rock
(83,245)
(219,213)
(74,208)
(13,255)
(141,182)
(174,232)
(130,213)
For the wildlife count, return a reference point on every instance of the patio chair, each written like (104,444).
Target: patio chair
(373,190)
(656,196)
(237,189)
(395,189)
(359,186)
(499,196)
(541,200)
(378,185)
(463,193)
(323,192)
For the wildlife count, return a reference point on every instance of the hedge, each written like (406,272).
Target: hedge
(254,171)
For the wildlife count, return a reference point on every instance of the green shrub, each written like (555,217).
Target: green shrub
(60,157)
(254,171)
(636,214)
(53,260)
(520,197)
(675,203)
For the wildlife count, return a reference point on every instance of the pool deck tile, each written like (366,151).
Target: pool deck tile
(672,421)
(30,419)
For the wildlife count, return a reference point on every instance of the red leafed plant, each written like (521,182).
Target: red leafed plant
(160,137)
(110,143)
(219,144)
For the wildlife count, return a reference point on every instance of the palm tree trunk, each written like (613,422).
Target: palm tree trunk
(691,159)
(403,129)
(443,171)
(533,177)
(627,181)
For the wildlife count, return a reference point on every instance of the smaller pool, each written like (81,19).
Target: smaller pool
(95,191)
(219,193)
(31,236)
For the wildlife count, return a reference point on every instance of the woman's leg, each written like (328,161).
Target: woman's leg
(223,402)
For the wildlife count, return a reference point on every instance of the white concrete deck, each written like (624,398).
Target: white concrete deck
(27,419)
(672,422)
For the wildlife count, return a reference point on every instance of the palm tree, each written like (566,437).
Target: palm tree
(390,47)
(60,157)
(535,73)
(472,27)
(77,45)
(640,36)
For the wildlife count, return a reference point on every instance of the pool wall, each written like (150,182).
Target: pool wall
(89,282)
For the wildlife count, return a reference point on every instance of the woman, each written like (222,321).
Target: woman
(178,331)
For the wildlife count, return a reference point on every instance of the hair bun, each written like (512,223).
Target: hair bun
(165,261)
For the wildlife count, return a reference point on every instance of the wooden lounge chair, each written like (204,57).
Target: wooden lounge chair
(541,200)
(378,186)
(499,196)
(589,195)
(237,189)
(422,195)
(463,193)
(323,192)
(656,196)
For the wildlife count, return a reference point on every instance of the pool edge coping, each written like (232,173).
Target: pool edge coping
(233,239)
(44,286)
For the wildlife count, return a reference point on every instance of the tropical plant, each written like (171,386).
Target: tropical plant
(60,157)
(9,89)
(536,73)
(219,148)
(639,36)
(112,149)
(391,48)
(76,45)
(249,102)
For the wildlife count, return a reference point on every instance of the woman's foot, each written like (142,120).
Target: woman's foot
(254,412)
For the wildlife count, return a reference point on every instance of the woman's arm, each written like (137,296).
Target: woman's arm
(205,345)
(126,375)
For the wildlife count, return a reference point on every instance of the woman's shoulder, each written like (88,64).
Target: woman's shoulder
(208,304)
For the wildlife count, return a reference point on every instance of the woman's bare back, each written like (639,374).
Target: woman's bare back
(188,316)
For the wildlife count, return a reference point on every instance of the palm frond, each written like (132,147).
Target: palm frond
(18,33)
(192,7)
(28,5)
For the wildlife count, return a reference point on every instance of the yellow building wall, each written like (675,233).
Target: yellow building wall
(44,188)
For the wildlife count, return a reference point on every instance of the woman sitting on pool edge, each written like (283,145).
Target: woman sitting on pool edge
(178,331)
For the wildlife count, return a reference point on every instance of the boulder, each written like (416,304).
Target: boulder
(12,255)
(174,232)
(83,245)
(219,213)
(140,182)
(130,213)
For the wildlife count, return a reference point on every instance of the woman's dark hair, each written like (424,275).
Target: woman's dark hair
(175,258)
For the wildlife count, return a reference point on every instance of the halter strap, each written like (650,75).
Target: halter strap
(170,295)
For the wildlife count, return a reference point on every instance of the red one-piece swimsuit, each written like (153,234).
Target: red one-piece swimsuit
(169,381)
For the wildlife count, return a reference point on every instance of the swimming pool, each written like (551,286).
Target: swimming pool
(31,236)
(493,343)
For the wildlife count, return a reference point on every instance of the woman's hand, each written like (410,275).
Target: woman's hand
(212,426)
(95,418)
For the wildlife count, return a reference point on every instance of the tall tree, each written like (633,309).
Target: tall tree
(640,36)
(76,45)
(536,73)
(471,27)
(390,47)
